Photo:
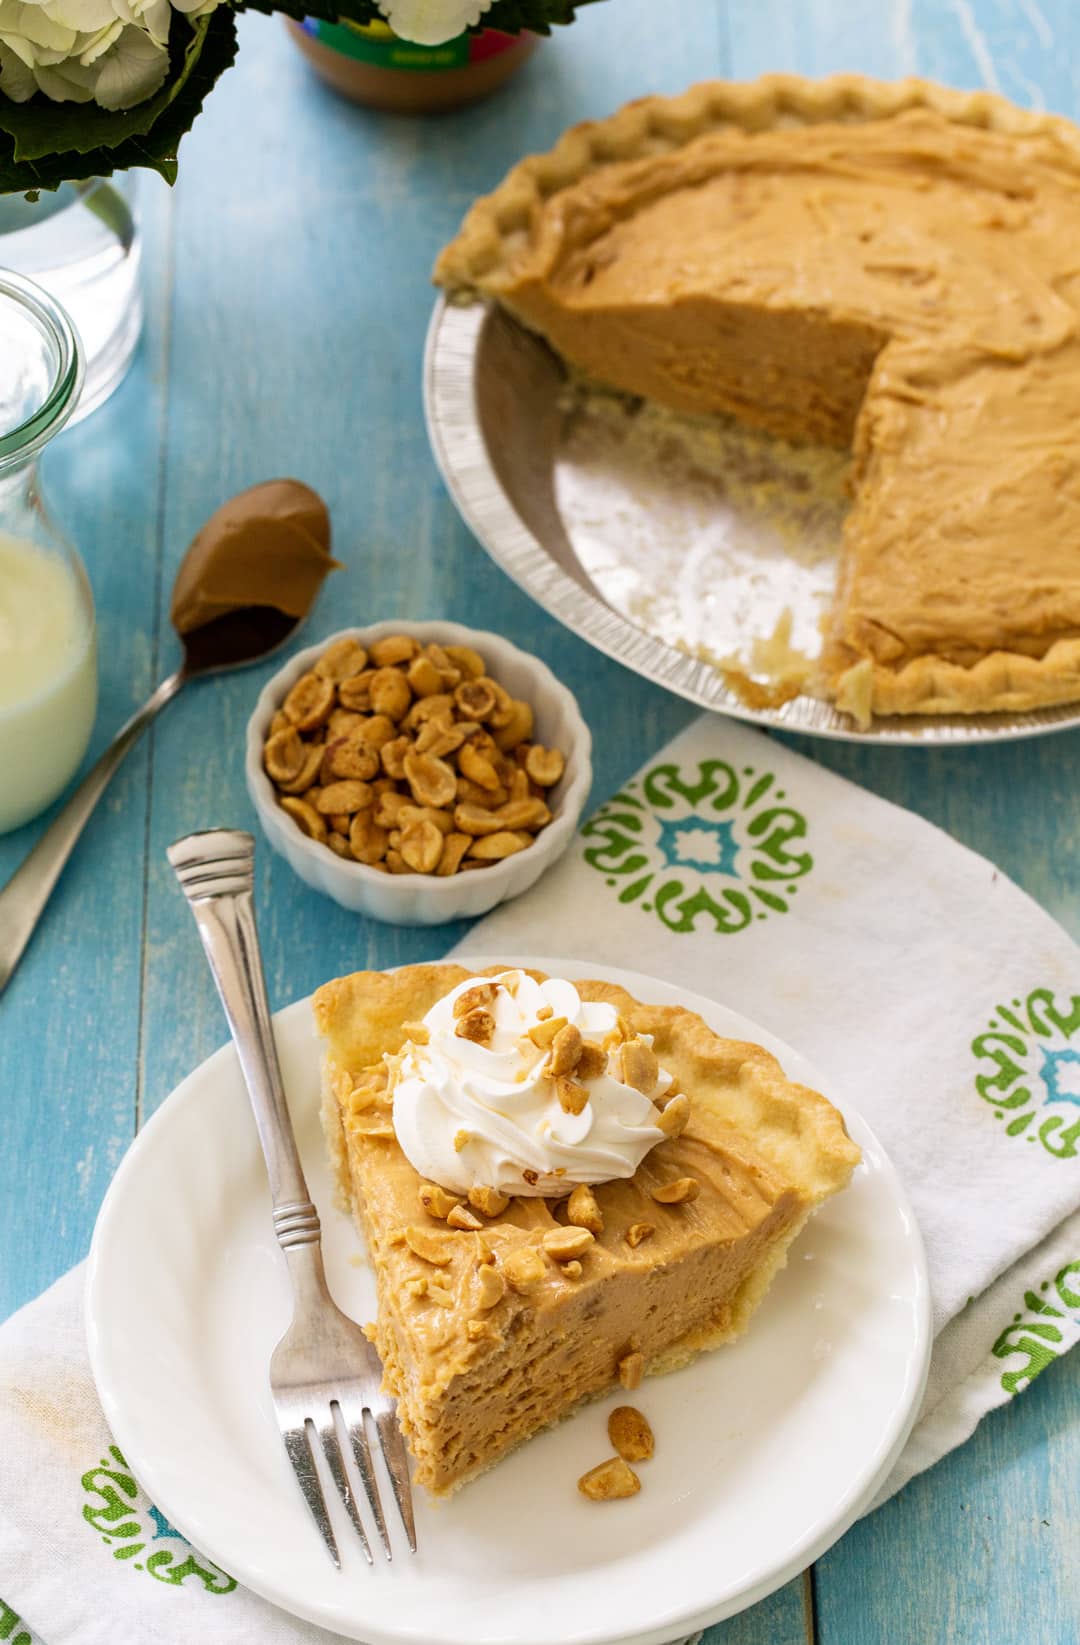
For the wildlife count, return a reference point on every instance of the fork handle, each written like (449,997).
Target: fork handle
(216,874)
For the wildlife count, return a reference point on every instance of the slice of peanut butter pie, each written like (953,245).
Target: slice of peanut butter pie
(561,1189)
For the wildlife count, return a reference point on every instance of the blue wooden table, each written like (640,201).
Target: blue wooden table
(287,296)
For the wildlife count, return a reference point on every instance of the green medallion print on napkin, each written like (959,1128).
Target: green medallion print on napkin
(1030,1056)
(707,847)
(131,1527)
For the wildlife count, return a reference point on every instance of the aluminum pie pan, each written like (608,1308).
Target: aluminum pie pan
(495,406)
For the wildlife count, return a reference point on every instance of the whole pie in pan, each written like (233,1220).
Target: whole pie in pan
(504,1303)
(886,267)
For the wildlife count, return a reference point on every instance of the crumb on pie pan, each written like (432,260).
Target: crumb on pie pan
(425,899)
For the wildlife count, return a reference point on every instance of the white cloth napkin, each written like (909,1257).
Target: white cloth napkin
(916,977)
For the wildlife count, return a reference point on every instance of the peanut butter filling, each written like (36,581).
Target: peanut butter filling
(490,1332)
(907,285)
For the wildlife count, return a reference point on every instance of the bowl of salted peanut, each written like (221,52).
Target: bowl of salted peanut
(418,772)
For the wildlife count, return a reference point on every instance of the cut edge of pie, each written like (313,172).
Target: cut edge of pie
(790,1140)
(480,261)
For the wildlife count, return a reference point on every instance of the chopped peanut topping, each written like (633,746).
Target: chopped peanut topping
(478,1026)
(639,1066)
(428,1245)
(542,1033)
(491,1286)
(631,1369)
(461,1217)
(489,1201)
(592,1062)
(565,1051)
(609,1481)
(563,1244)
(639,1231)
(476,998)
(436,1201)
(674,1119)
(524,1268)
(583,1210)
(678,1192)
(461,1140)
(630,1434)
(572,1096)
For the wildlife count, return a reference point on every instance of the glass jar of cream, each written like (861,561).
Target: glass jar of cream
(48,670)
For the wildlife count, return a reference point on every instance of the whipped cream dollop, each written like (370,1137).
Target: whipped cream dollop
(474,1113)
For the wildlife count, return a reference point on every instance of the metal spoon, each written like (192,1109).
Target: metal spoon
(232,639)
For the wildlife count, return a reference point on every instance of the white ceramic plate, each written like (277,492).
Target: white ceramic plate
(766,1450)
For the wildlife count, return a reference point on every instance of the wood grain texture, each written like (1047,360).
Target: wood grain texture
(287,289)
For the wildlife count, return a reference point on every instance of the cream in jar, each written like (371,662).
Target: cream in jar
(48,677)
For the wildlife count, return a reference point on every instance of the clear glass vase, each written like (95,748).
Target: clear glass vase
(48,669)
(82,245)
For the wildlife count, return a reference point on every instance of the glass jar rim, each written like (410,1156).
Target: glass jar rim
(28,437)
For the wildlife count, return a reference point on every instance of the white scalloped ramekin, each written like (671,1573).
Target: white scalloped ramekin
(425,899)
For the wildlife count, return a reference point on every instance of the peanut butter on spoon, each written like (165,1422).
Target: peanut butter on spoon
(268,546)
(247,581)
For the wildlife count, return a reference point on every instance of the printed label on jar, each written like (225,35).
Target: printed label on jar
(376,43)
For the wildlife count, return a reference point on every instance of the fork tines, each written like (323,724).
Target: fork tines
(340,1432)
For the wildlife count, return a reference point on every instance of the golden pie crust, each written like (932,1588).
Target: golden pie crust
(472,1377)
(913,293)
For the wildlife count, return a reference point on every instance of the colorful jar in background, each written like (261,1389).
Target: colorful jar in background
(48,666)
(370,64)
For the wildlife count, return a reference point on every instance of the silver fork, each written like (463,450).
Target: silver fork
(324,1374)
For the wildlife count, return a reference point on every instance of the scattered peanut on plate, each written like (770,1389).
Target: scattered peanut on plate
(410,758)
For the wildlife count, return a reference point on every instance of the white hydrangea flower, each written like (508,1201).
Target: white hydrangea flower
(111,52)
(428,22)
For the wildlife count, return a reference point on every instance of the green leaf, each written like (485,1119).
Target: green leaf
(44,144)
